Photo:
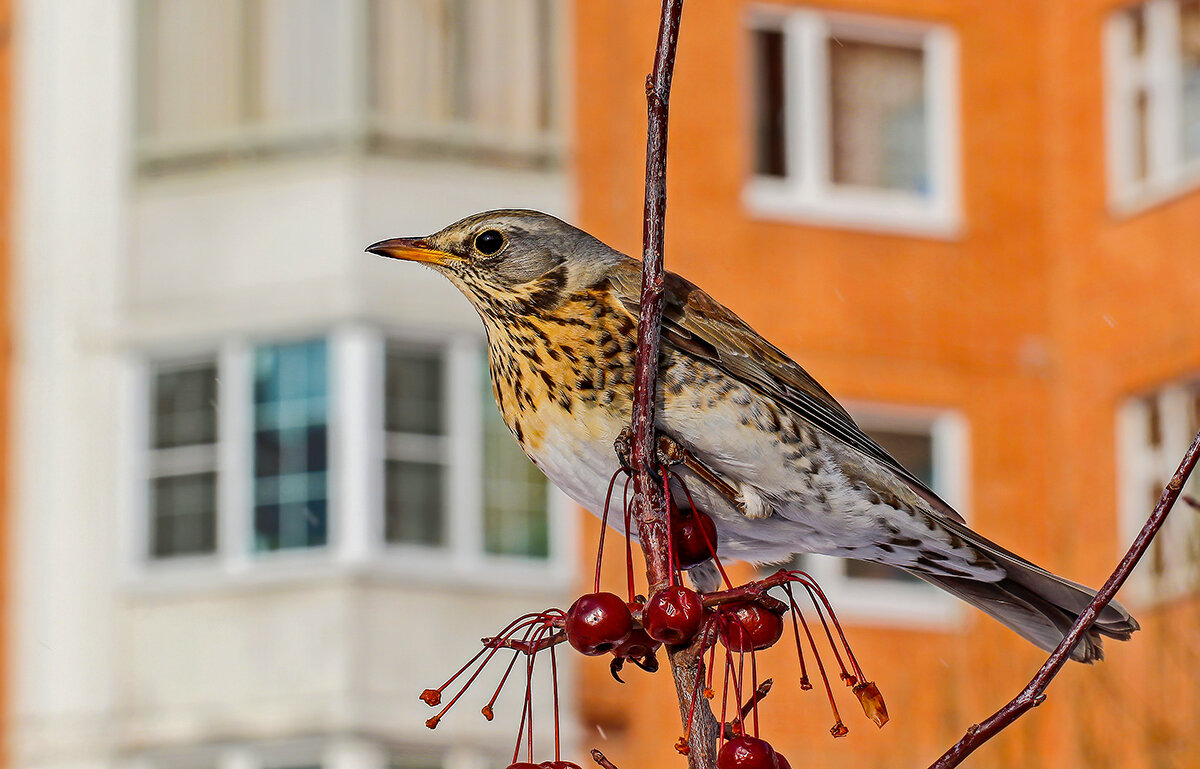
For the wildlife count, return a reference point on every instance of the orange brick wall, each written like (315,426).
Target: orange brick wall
(1005,323)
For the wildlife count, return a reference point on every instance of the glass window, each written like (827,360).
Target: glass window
(515,493)
(877,115)
(855,120)
(770,114)
(415,472)
(182,460)
(221,78)
(1189,39)
(290,445)
(1156,430)
(454,75)
(1153,52)
(239,79)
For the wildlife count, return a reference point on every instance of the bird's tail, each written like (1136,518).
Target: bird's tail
(1038,605)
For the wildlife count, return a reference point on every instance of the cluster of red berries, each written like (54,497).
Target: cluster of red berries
(739,621)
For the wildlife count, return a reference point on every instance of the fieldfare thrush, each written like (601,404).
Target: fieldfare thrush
(779,465)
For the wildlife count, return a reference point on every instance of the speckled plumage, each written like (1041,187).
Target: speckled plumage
(560,310)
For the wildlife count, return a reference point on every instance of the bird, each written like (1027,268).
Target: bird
(772,457)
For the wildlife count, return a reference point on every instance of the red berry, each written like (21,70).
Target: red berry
(750,626)
(747,753)
(674,615)
(783,762)
(597,623)
(691,533)
(524,765)
(565,765)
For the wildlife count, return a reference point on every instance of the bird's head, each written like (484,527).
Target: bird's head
(510,260)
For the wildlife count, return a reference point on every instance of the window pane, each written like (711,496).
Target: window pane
(298,59)
(769,103)
(184,515)
(1189,33)
(184,406)
(414,382)
(877,116)
(415,504)
(915,452)
(290,445)
(189,67)
(514,492)
(454,75)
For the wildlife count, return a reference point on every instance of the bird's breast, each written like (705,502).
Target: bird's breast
(569,371)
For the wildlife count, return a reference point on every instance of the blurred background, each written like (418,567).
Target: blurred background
(256,495)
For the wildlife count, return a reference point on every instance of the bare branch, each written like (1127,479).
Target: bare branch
(599,758)
(649,501)
(1034,692)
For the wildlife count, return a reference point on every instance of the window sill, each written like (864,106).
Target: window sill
(410,568)
(861,209)
(1141,198)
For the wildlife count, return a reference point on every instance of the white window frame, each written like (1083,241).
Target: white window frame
(324,753)
(356,470)
(463,554)
(178,460)
(1158,72)
(887,602)
(809,195)
(1138,467)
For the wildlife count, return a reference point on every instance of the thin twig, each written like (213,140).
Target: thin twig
(1034,692)
(525,646)
(649,500)
(599,758)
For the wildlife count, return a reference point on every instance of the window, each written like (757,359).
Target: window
(933,447)
(183,459)
(353,444)
(234,79)
(290,446)
(1153,83)
(423,387)
(455,76)
(854,121)
(416,447)
(1154,431)
(515,492)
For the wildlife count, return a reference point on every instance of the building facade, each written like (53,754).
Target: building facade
(976,225)
(264,500)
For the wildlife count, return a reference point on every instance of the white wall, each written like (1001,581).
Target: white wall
(112,664)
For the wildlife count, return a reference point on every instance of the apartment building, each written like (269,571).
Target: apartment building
(262,498)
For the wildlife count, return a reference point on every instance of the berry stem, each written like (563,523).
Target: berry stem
(604,527)
(557,724)
(628,542)
(804,683)
(672,511)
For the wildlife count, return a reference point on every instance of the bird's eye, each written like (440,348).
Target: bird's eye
(489,242)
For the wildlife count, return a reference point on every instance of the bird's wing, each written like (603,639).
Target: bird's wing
(696,324)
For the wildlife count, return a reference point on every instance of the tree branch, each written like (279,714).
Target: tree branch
(649,502)
(1034,692)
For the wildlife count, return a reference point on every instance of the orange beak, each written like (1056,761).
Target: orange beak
(410,250)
